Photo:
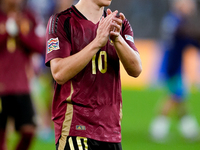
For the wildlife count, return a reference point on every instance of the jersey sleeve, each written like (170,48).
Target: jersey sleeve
(57,43)
(127,34)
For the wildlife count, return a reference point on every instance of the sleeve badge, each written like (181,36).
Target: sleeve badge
(129,38)
(52,44)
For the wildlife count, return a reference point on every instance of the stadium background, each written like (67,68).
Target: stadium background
(141,96)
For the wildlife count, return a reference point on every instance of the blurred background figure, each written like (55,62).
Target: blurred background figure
(42,83)
(177,34)
(20,37)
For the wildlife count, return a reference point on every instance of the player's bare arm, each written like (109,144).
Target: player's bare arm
(75,63)
(129,57)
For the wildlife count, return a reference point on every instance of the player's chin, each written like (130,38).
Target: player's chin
(106,2)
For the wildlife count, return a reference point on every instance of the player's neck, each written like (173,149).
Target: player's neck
(91,11)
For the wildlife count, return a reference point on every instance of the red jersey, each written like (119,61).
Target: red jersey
(89,105)
(15,53)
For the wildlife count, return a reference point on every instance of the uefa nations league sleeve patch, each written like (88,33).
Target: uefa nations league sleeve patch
(52,44)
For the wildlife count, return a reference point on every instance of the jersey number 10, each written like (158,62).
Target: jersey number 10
(102,63)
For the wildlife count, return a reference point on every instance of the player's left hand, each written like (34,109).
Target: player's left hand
(116,25)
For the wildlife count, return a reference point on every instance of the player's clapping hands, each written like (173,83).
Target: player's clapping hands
(116,25)
(109,27)
(16,23)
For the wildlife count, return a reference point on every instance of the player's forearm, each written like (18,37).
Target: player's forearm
(129,58)
(63,69)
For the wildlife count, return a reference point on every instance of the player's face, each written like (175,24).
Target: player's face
(189,8)
(186,7)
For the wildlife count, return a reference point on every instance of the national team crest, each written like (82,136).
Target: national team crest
(52,44)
